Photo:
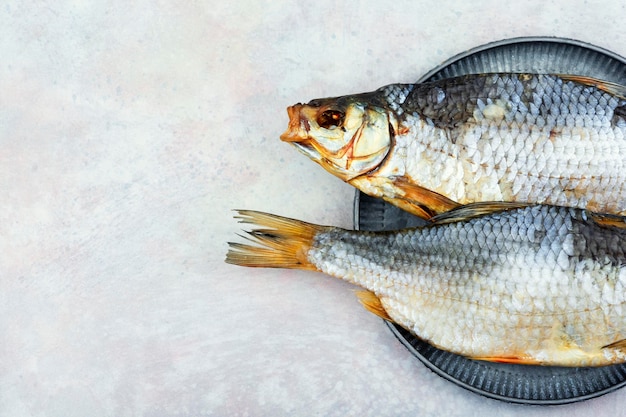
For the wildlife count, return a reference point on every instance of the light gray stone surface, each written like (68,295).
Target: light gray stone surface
(128,132)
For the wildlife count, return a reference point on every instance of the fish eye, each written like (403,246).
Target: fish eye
(330,119)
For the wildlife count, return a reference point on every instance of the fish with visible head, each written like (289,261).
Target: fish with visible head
(426,148)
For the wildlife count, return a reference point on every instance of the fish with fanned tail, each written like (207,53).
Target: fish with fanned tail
(532,138)
(500,282)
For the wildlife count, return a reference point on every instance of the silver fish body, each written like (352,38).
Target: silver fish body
(531,284)
(534,138)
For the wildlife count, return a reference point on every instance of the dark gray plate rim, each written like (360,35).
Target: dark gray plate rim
(520,384)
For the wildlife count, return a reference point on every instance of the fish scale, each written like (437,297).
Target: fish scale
(534,138)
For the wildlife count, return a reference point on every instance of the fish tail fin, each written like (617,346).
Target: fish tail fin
(279,242)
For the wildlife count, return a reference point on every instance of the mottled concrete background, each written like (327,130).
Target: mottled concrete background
(128,132)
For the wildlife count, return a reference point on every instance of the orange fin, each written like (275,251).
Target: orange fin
(414,209)
(615,89)
(516,360)
(619,345)
(280,242)
(473,210)
(609,220)
(373,304)
(421,201)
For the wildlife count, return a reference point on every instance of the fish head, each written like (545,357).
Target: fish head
(348,136)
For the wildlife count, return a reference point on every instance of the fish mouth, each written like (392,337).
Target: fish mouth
(298,128)
(297,134)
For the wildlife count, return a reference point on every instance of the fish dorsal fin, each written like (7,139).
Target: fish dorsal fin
(473,210)
(615,89)
(373,304)
(609,220)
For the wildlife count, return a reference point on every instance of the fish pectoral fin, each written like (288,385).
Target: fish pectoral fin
(513,359)
(416,210)
(473,210)
(419,200)
(608,220)
(373,304)
(615,89)
(619,345)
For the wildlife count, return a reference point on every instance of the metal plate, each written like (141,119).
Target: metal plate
(513,383)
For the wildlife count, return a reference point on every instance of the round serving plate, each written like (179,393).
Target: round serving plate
(513,383)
